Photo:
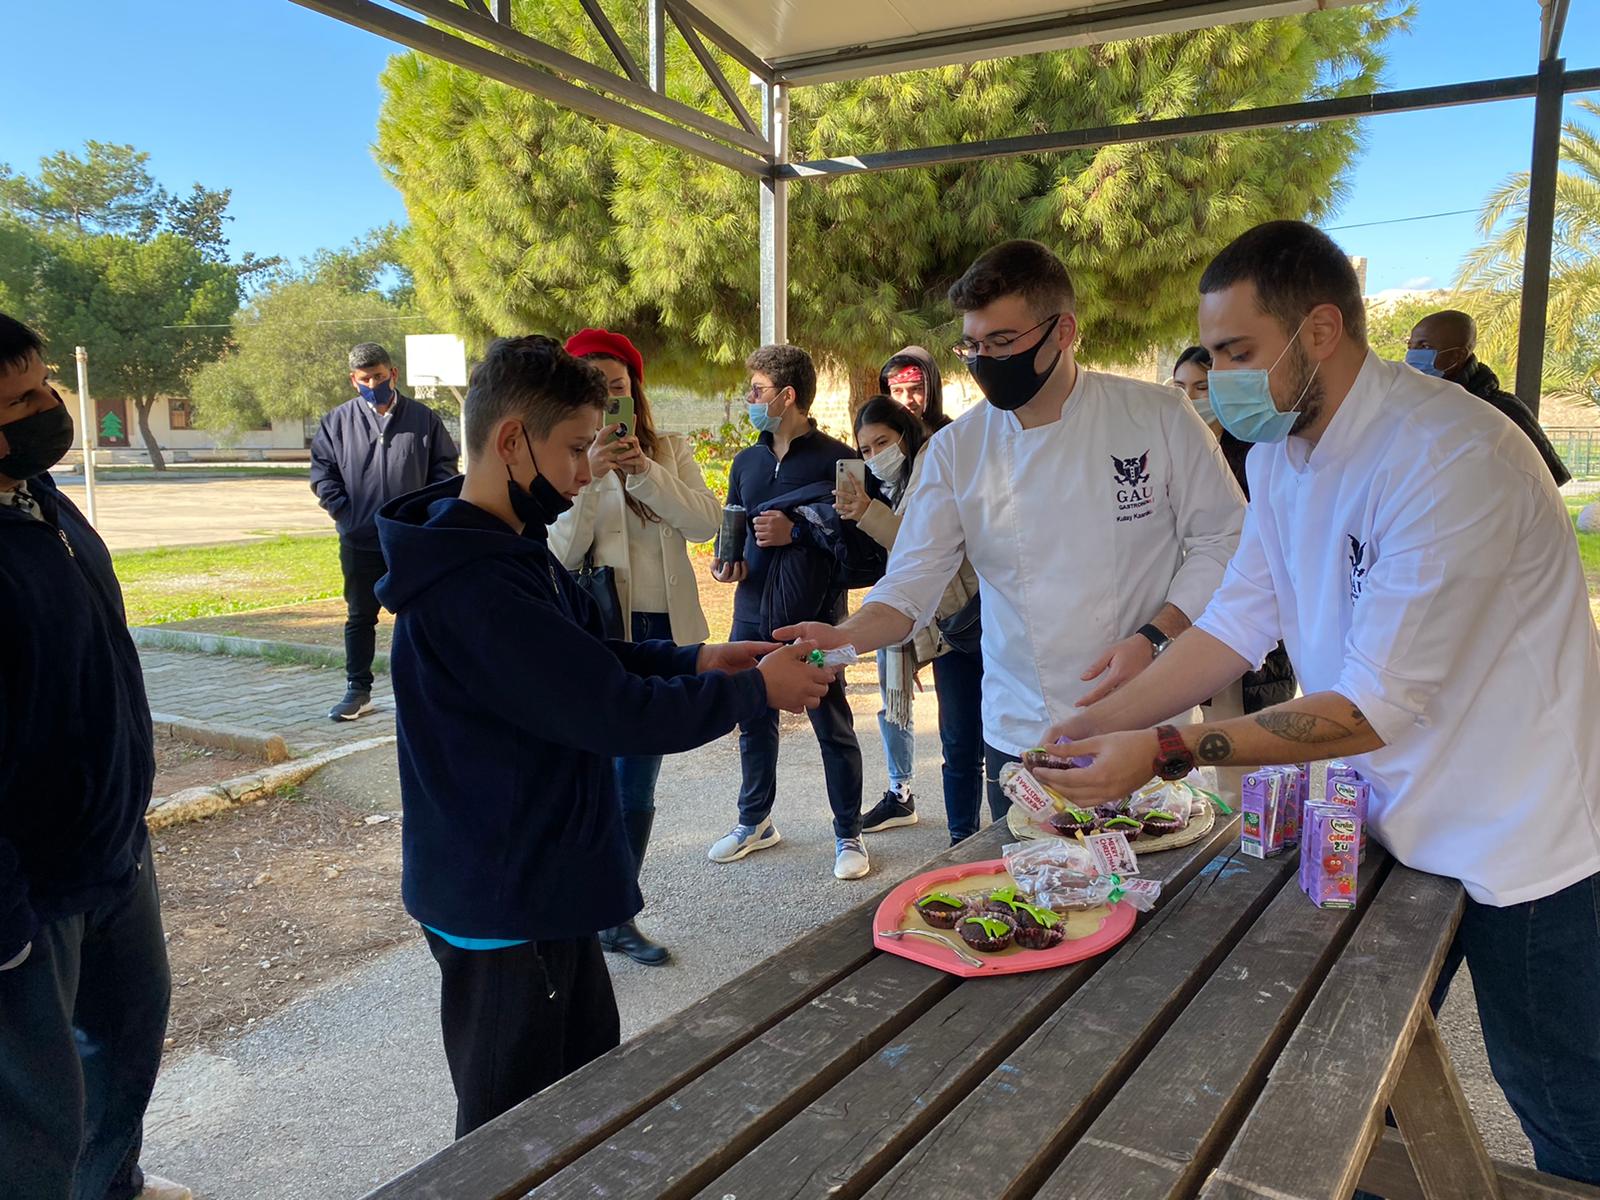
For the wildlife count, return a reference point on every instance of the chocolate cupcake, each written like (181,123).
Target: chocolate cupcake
(989,933)
(941,909)
(1113,809)
(1128,827)
(1071,822)
(1038,928)
(1003,902)
(1158,822)
(1041,757)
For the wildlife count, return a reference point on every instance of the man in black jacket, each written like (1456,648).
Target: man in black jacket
(373,448)
(1443,344)
(84,982)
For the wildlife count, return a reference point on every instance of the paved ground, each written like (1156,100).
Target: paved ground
(135,514)
(249,692)
(348,1086)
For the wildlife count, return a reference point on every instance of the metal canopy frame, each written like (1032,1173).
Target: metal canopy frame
(478,35)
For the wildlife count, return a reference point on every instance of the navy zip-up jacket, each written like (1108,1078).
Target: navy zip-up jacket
(758,480)
(77,756)
(510,707)
(360,462)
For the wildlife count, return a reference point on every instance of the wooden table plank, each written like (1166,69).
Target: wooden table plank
(1061,1077)
(849,1137)
(1167,1126)
(527,1145)
(1389,1174)
(699,1131)
(1342,1062)
(1431,1110)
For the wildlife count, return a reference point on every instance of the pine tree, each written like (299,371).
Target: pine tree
(525,216)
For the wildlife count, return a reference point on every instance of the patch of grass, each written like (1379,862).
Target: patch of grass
(182,582)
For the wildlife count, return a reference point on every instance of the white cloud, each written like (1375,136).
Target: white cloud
(1419,283)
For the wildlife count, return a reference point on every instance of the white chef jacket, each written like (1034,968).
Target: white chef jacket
(1420,562)
(1079,531)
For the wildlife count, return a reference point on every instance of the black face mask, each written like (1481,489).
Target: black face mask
(38,442)
(539,504)
(1009,383)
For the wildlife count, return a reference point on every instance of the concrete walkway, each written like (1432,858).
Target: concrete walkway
(252,693)
(348,1086)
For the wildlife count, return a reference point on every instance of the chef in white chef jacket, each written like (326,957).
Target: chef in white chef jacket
(1097,511)
(1410,548)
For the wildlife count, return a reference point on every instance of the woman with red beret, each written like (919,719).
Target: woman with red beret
(648,501)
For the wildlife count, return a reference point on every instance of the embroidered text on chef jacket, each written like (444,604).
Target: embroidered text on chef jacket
(1420,563)
(1079,531)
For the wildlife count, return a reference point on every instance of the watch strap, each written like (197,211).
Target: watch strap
(1174,759)
(1155,637)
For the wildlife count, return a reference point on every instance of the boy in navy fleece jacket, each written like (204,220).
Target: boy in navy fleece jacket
(510,708)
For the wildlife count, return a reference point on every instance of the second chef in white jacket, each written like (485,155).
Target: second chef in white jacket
(1097,511)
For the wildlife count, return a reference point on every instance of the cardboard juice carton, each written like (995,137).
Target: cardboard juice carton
(1290,804)
(1353,792)
(1260,810)
(1329,852)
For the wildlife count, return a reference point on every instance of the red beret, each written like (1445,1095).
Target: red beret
(603,341)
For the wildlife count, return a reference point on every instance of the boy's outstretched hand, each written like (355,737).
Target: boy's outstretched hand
(793,684)
(819,633)
(733,656)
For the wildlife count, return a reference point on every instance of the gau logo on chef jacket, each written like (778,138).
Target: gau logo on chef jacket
(1361,558)
(1131,479)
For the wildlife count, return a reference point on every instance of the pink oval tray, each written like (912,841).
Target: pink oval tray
(895,913)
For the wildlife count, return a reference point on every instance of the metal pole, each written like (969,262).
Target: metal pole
(657,65)
(1541,226)
(775,219)
(87,430)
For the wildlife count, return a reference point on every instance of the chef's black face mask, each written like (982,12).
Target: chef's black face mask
(37,442)
(1009,383)
(539,504)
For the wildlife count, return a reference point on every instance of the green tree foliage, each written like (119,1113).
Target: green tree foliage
(1494,269)
(1389,323)
(151,312)
(525,216)
(291,341)
(108,189)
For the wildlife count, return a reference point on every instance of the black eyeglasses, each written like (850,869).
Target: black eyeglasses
(999,346)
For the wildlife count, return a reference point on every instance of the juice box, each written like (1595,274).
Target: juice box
(1356,793)
(1261,796)
(1291,804)
(1329,852)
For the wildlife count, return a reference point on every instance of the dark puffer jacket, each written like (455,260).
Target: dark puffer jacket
(1485,385)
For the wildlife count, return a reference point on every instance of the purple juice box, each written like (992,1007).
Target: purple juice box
(1328,855)
(1261,796)
(1354,792)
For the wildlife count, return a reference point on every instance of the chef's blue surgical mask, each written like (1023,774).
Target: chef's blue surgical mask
(1242,399)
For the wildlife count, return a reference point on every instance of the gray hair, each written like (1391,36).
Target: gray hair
(368,355)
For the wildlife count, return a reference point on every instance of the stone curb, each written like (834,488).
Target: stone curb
(191,804)
(270,748)
(155,637)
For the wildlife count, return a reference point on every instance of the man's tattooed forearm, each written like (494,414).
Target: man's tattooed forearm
(1304,728)
(1214,748)
(1359,717)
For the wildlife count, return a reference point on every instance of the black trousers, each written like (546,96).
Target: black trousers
(516,1020)
(81,1026)
(362,570)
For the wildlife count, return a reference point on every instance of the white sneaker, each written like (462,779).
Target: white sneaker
(157,1188)
(744,839)
(850,858)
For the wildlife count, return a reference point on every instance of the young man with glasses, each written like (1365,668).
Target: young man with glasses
(1096,510)
(791,456)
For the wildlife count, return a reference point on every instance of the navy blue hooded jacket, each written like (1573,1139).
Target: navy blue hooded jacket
(76,751)
(759,481)
(359,463)
(510,707)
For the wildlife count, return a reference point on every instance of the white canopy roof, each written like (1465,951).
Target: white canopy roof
(814,41)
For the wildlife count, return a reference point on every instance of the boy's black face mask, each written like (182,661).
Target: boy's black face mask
(37,442)
(539,504)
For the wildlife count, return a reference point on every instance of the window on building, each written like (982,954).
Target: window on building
(180,414)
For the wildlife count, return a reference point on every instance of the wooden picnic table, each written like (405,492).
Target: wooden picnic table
(1241,1044)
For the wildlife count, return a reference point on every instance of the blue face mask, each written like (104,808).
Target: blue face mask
(1242,400)
(1424,361)
(377,395)
(762,419)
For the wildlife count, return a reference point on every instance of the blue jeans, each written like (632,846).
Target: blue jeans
(841,755)
(637,773)
(1535,974)
(81,1026)
(958,682)
(899,745)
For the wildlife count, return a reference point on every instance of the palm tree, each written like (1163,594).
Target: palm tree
(1492,273)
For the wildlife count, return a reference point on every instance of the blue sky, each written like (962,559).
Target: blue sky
(280,104)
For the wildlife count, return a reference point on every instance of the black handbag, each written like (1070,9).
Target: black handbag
(600,583)
(963,629)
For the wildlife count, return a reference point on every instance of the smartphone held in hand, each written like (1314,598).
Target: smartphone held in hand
(852,469)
